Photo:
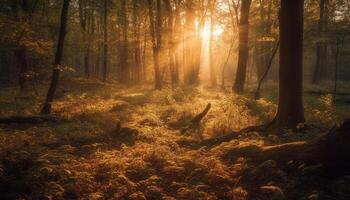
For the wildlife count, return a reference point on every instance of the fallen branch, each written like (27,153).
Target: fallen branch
(220,139)
(33,119)
(198,118)
(208,143)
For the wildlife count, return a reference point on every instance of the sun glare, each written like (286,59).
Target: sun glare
(216,32)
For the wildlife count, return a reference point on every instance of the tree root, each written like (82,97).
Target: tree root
(332,150)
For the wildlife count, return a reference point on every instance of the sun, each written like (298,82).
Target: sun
(216,32)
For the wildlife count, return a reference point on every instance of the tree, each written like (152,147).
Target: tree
(290,107)
(136,44)
(321,46)
(243,47)
(58,58)
(174,73)
(85,18)
(211,42)
(124,47)
(105,40)
(156,35)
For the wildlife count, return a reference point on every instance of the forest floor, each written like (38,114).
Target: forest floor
(86,155)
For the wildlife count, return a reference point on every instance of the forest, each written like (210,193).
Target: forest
(175,99)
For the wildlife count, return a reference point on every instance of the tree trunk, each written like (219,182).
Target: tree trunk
(321,46)
(58,58)
(290,107)
(192,46)
(243,47)
(137,68)
(171,44)
(22,66)
(124,48)
(156,41)
(84,22)
(211,43)
(158,75)
(105,41)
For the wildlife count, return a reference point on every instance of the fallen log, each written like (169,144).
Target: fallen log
(198,118)
(218,140)
(32,119)
(208,143)
(332,150)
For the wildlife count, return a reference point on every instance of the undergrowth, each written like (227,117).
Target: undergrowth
(86,156)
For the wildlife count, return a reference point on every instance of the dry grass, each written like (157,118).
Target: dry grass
(82,158)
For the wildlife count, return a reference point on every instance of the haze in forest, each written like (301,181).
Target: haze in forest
(174,99)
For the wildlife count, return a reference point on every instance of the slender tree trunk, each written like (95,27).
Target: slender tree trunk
(105,41)
(58,58)
(84,22)
(124,48)
(192,46)
(156,41)
(22,66)
(321,46)
(243,47)
(144,57)
(290,107)
(264,75)
(137,68)
(171,44)
(159,20)
(87,58)
(211,44)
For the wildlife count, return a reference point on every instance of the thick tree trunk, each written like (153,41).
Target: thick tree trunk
(58,58)
(290,107)
(243,47)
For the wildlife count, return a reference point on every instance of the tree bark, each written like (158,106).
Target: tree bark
(243,50)
(321,46)
(156,40)
(58,58)
(171,44)
(124,48)
(290,107)
(137,67)
(22,65)
(211,43)
(105,41)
